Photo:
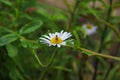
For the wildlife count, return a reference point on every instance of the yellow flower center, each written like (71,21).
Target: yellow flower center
(89,26)
(56,40)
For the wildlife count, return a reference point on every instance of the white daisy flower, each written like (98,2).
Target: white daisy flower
(89,28)
(56,38)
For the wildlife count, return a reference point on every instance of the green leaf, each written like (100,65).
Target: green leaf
(26,43)
(77,43)
(6,2)
(6,39)
(26,16)
(12,50)
(70,42)
(15,74)
(31,27)
(57,16)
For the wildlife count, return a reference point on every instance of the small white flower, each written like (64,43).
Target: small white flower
(57,38)
(89,28)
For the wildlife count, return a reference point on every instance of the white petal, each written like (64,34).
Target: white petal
(61,33)
(47,37)
(43,39)
(66,35)
(51,35)
(58,45)
(63,43)
(84,26)
(45,42)
(91,31)
(57,34)
(94,28)
(49,45)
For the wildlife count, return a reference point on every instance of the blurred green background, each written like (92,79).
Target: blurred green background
(22,22)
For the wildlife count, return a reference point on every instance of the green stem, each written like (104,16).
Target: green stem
(111,64)
(108,56)
(116,31)
(39,61)
(48,66)
(103,35)
(92,53)
(99,54)
(19,36)
(68,5)
(70,22)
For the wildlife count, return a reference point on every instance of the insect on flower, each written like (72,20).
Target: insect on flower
(89,28)
(57,38)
